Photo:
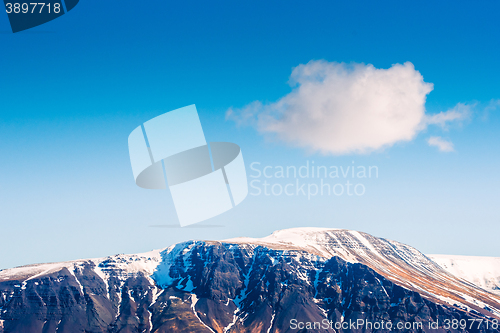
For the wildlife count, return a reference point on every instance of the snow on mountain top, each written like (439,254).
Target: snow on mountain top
(400,263)
(292,234)
(32,271)
(326,242)
(125,263)
(482,271)
(299,236)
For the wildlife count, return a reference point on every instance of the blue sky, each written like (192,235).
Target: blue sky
(73,89)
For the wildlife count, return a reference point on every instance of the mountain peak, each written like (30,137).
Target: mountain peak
(349,245)
(400,263)
(241,282)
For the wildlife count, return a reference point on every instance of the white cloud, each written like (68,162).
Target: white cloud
(336,108)
(459,112)
(442,144)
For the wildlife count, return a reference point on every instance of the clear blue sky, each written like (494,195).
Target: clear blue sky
(73,89)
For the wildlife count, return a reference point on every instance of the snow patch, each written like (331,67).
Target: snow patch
(271,324)
(194,300)
(481,271)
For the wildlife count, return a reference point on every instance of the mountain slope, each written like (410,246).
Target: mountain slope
(243,285)
(482,271)
(398,262)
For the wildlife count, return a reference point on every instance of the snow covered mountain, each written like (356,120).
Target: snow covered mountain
(398,262)
(482,271)
(248,285)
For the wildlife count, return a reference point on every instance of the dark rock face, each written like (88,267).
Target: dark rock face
(220,287)
(55,300)
(270,288)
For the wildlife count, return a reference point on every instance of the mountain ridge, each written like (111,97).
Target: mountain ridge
(239,285)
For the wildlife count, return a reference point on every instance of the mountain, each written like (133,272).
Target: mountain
(280,283)
(482,271)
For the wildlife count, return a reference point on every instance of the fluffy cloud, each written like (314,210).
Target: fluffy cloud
(336,108)
(441,144)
